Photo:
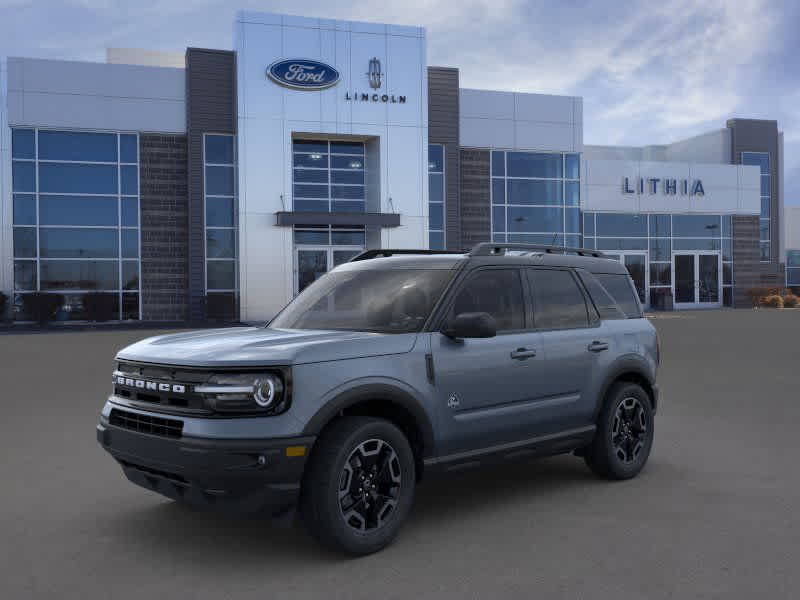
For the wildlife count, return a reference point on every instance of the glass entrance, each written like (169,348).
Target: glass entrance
(313,263)
(696,279)
(636,263)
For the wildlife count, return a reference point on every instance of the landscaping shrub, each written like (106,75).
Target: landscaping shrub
(790,301)
(98,306)
(773,301)
(41,306)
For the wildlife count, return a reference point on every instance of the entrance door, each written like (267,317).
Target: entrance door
(636,263)
(697,279)
(311,262)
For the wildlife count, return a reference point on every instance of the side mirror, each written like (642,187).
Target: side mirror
(471,325)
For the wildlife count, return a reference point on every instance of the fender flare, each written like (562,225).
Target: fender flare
(624,365)
(375,391)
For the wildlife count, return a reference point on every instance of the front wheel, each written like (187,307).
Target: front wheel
(624,435)
(359,486)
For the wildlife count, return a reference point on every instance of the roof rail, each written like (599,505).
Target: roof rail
(376,252)
(489,249)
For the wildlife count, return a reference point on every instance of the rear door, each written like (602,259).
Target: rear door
(574,343)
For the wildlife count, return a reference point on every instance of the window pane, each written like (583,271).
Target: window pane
(219,149)
(622,243)
(497,292)
(436,240)
(573,241)
(498,218)
(221,274)
(606,306)
(696,225)
(219,212)
(347,192)
(498,163)
(77,179)
(311,205)
(77,210)
(436,187)
(352,177)
(521,191)
(130,212)
(573,166)
(344,162)
(793,258)
(660,226)
(498,191)
(524,219)
(557,300)
(219,181)
(763,229)
(660,249)
(624,225)
(727,226)
(435,158)
(348,238)
(765,185)
(348,206)
(128,149)
(572,189)
(765,208)
(74,145)
(311,237)
(727,297)
(130,307)
(436,216)
(759,159)
(24,209)
(311,175)
(23,144)
(130,274)
(310,191)
(220,243)
(23,176)
(661,274)
(130,243)
(588,224)
(129,180)
(78,243)
(793,277)
(621,289)
(499,237)
(695,244)
(25,275)
(572,220)
(347,148)
(25,242)
(765,251)
(79,275)
(310,146)
(727,273)
(529,164)
(318,161)
(548,239)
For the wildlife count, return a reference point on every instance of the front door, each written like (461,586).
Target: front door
(697,279)
(636,263)
(311,262)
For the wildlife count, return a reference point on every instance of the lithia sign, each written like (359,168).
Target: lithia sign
(306,74)
(667,186)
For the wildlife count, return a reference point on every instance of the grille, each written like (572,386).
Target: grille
(187,402)
(171,428)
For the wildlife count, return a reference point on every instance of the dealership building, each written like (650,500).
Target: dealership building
(217,184)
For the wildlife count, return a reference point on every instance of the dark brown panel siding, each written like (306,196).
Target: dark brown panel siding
(476,218)
(164,226)
(210,108)
(443,113)
(746,254)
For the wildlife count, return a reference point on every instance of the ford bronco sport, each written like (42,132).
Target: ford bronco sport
(394,365)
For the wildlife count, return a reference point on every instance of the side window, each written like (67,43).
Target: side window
(605,304)
(494,291)
(621,288)
(558,302)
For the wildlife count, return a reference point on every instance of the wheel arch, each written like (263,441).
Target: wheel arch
(633,370)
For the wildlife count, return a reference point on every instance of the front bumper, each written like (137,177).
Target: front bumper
(240,476)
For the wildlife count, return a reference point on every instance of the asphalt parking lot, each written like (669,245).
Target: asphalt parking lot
(714,515)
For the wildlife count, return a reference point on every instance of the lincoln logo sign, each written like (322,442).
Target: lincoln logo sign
(302,74)
(667,186)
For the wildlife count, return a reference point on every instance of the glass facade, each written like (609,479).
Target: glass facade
(436,197)
(793,269)
(76,219)
(535,198)
(761,160)
(328,176)
(219,157)
(658,236)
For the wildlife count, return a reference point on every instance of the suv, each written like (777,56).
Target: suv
(395,364)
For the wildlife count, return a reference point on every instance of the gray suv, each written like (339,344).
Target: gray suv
(395,365)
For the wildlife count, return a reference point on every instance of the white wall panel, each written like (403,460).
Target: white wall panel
(540,135)
(486,104)
(486,133)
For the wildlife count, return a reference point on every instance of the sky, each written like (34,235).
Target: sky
(650,72)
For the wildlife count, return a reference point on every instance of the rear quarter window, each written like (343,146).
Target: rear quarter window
(620,287)
(606,306)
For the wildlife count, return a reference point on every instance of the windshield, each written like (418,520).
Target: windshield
(384,301)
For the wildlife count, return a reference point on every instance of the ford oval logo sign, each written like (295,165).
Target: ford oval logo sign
(303,74)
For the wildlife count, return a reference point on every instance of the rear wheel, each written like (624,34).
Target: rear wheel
(624,435)
(359,486)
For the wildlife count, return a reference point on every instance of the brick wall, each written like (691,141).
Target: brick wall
(165,233)
(476,216)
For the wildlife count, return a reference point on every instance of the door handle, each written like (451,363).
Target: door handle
(523,353)
(598,346)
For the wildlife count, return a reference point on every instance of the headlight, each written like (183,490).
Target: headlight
(262,393)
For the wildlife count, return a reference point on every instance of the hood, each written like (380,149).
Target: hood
(257,346)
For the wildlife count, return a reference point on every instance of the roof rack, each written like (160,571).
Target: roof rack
(490,249)
(376,252)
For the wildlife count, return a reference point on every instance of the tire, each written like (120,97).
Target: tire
(624,434)
(348,503)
